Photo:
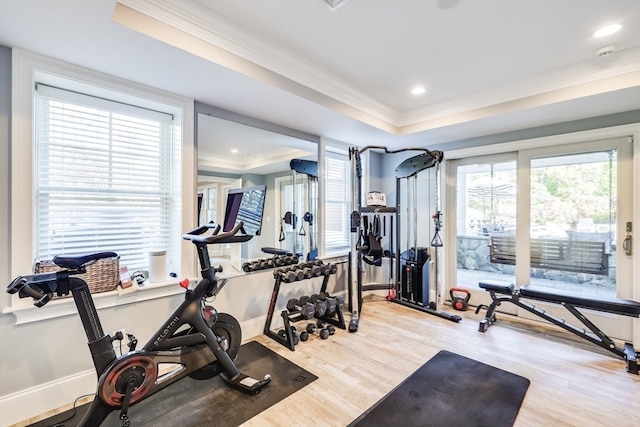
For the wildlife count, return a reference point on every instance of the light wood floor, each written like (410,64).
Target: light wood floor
(573,382)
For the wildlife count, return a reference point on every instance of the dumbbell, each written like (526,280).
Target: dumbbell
(308,272)
(267,263)
(291,259)
(322,325)
(292,275)
(319,305)
(329,269)
(323,332)
(279,273)
(331,305)
(316,271)
(304,299)
(339,301)
(296,336)
(311,264)
(303,307)
(326,269)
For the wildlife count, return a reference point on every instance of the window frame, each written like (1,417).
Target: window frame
(334,152)
(525,149)
(82,154)
(29,68)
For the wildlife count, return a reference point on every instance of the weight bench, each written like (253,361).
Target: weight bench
(505,292)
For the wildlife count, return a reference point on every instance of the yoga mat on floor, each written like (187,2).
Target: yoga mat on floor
(210,402)
(450,390)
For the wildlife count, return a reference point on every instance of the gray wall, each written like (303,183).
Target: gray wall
(6,322)
(5,164)
(34,354)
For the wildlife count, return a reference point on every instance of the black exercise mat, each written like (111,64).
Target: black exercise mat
(450,390)
(210,402)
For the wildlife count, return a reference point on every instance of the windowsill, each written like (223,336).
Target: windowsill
(336,257)
(26,312)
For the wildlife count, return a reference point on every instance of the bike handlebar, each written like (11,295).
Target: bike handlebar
(230,236)
(26,288)
(41,286)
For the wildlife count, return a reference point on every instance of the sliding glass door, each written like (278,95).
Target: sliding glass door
(573,211)
(486,209)
(553,216)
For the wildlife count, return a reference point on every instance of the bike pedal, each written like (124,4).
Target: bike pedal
(246,383)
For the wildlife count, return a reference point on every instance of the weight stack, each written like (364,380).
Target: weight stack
(414,272)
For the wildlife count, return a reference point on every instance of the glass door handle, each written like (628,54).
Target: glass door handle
(626,245)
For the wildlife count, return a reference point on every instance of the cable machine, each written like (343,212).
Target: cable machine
(412,268)
(365,240)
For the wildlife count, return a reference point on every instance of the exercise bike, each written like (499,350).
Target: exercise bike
(194,341)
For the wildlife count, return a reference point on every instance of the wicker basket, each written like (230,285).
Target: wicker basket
(102,276)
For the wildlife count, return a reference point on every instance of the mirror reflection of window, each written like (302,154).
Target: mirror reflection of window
(209,202)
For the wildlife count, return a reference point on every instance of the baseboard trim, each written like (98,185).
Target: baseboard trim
(37,403)
(30,405)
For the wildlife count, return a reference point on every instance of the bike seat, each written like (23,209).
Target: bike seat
(77,261)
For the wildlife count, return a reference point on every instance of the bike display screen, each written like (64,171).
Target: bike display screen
(246,205)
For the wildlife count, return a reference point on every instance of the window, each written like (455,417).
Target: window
(102,177)
(208,204)
(141,157)
(337,202)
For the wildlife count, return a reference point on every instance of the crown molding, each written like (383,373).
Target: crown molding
(255,57)
(198,21)
(592,76)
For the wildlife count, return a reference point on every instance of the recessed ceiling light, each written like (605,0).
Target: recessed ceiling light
(606,31)
(234,151)
(418,90)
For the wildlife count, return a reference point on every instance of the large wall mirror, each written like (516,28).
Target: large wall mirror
(237,151)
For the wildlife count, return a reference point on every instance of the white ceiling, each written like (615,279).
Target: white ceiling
(247,149)
(345,73)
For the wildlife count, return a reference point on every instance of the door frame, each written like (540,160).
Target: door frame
(632,131)
(614,325)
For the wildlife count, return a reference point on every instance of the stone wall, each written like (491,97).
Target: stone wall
(473,254)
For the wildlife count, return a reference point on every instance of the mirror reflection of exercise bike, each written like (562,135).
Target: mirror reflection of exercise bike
(195,340)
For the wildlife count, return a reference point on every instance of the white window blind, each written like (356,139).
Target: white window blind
(103,177)
(337,203)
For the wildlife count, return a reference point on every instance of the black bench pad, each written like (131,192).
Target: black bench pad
(621,306)
(497,286)
(610,305)
(276,251)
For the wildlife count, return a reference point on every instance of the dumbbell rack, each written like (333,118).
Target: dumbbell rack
(296,273)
